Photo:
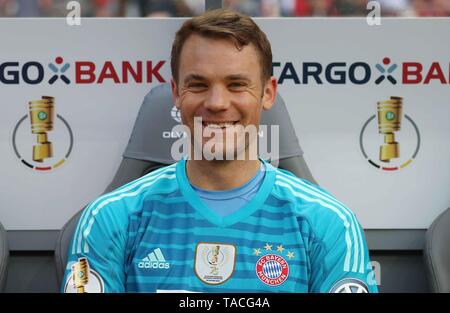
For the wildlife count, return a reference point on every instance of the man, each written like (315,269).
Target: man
(221,219)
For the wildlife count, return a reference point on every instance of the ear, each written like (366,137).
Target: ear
(175,95)
(269,93)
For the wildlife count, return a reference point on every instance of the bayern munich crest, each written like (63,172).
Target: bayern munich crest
(272,269)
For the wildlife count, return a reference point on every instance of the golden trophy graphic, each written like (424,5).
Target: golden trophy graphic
(389,121)
(42,115)
(215,260)
(80,274)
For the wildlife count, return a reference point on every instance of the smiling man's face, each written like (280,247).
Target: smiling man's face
(223,86)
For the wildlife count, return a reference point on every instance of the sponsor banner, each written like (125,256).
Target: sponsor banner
(370,105)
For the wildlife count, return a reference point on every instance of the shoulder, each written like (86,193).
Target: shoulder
(161,181)
(313,205)
(129,198)
(108,216)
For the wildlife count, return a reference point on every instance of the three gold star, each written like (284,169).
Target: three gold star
(280,249)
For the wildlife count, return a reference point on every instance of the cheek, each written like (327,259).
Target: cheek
(191,97)
(249,107)
(188,105)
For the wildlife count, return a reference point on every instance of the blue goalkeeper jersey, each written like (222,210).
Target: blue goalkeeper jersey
(155,234)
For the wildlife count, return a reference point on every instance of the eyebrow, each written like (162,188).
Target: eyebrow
(238,77)
(232,77)
(192,77)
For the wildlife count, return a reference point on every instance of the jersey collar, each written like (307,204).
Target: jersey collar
(254,204)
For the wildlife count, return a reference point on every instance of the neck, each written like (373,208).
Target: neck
(221,174)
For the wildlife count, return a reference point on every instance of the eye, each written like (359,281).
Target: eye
(236,85)
(197,85)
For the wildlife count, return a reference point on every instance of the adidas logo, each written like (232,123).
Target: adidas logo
(154,259)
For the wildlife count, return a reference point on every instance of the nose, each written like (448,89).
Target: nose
(217,99)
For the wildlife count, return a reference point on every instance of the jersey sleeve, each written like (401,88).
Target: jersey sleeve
(96,257)
(340,260)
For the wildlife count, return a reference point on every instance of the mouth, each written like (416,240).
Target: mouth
(219,125)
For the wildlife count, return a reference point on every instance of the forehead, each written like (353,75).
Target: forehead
(212,57)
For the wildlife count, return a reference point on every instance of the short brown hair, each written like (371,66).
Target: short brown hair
(227,24)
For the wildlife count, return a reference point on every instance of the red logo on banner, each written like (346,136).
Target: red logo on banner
(272,269)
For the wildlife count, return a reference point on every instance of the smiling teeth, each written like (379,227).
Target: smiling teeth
(219,125)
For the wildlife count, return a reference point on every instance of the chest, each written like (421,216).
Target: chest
(186,252)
